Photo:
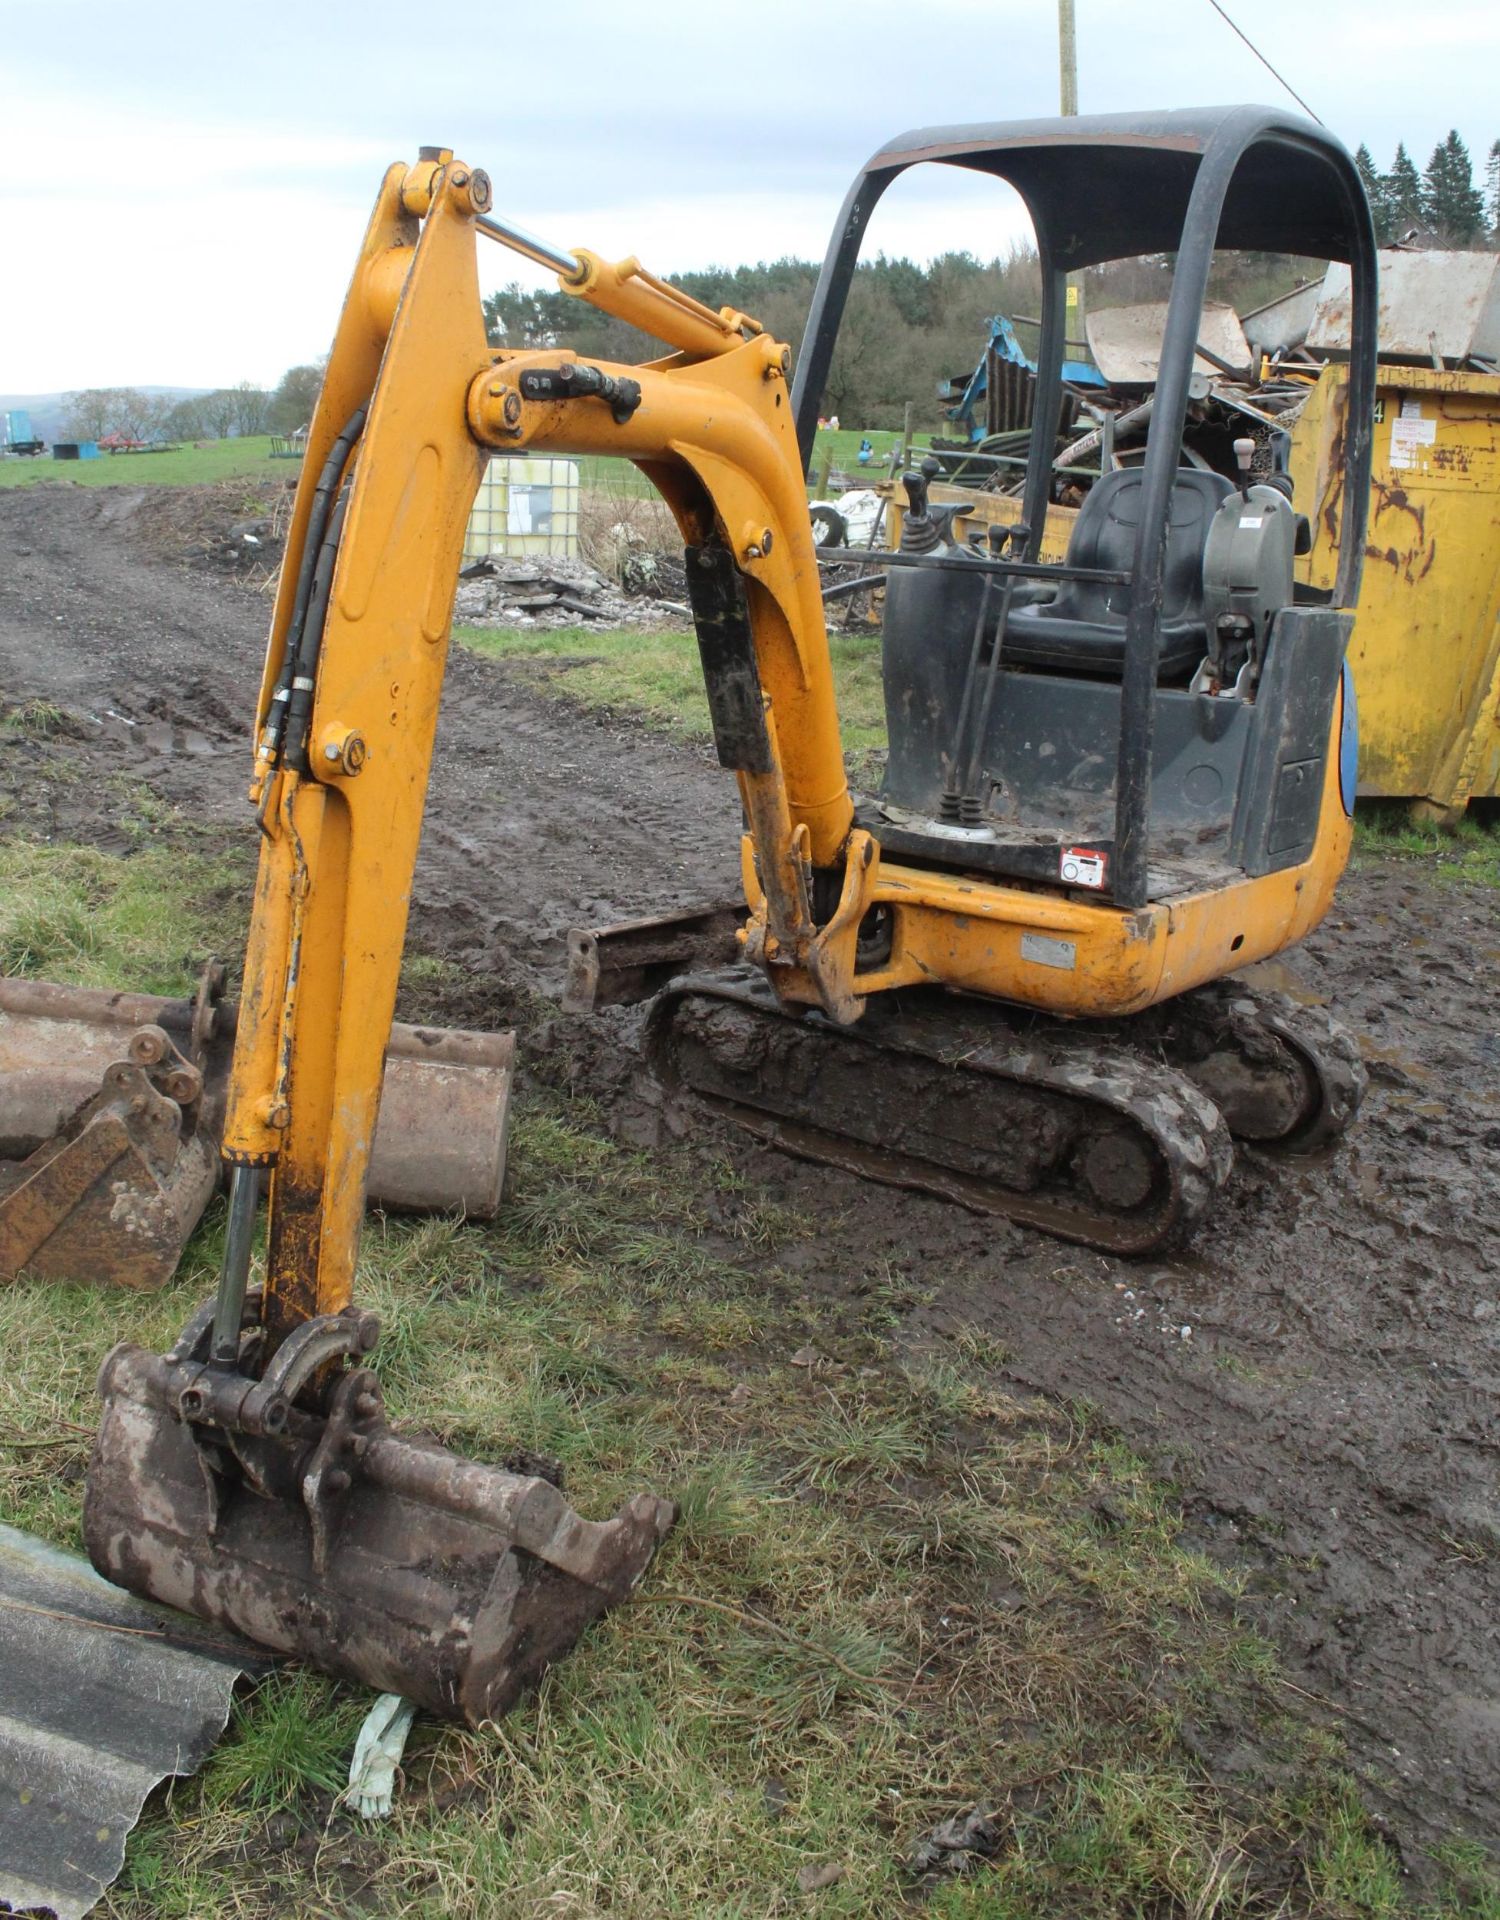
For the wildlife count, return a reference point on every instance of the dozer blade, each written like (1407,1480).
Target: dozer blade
(111,1107)
(377,1556)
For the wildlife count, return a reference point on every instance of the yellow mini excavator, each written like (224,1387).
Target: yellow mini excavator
(1111,782)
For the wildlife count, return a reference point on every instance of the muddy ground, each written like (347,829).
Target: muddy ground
(1318,1375)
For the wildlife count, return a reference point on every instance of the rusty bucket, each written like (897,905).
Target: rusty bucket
(112,1106)
(324,1534)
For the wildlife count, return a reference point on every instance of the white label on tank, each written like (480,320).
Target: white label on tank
(1410,432)
(1047,952)
(1082,867)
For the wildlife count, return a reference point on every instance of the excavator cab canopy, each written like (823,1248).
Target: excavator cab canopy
(1113,187)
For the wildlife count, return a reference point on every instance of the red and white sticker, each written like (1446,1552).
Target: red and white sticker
(1082,867)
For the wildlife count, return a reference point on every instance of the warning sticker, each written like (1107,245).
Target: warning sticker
(1082,867)
(1409,432)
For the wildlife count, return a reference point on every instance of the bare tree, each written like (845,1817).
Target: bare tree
(90,414)
(185,420)
(219,410)
(252,408)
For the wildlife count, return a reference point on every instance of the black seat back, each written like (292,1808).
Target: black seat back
(1083,629)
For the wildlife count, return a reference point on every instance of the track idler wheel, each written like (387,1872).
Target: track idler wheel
(321,1533)
(1283,1074)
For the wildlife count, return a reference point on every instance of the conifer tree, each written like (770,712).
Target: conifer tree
(1374,187)
(1402,191)
(1492,193)
(1451,204)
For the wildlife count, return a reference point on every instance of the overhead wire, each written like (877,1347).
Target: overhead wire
(1280,79)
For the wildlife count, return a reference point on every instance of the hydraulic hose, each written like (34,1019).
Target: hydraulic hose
(324,495)
(302,663)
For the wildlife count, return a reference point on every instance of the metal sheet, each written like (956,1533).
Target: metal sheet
(1126,341)
(1283,322)
(1444,303)
(101,1697)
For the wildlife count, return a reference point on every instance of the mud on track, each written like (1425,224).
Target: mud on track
(1319,1375)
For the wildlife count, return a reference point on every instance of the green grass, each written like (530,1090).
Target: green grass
(658,677)
(1467,851)
(191,465)
(184,466)
(844,446)
(146,921)
(897,1589)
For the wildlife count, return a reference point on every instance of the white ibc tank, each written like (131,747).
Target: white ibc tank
(527,504)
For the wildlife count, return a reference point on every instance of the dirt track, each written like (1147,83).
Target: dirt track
(1319,1376)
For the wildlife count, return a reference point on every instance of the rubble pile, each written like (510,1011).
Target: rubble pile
(551,591)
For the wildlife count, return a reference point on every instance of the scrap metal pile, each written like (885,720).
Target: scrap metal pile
(556,591)
(1252,375)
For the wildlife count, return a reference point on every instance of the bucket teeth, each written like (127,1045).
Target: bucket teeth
(378,1556)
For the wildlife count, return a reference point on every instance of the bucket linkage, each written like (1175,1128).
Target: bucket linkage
(278,1501)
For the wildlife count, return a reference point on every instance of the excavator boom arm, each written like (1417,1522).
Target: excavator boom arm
(413,405)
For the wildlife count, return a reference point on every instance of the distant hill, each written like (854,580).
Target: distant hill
(48,409)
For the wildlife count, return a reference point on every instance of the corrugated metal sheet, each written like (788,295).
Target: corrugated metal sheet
(101,1696)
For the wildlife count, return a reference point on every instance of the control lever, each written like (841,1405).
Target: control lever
(920,529)
(960,800)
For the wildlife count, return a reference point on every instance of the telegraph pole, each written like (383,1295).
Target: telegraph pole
(1067,62)
(1067,51)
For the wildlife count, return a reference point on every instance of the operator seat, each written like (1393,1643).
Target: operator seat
(1082,630)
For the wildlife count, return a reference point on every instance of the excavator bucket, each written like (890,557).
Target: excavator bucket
(112,1105)
(374,1555)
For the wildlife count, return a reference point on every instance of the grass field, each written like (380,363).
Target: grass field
(230,459)
(844,447)
(658,678)
(899,1589)
(186,466)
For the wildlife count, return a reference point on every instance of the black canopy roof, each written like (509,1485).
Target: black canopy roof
(1088,204)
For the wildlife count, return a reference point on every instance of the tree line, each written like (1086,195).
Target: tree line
(907,329)
(906,326)
(1440,206)
(128,413)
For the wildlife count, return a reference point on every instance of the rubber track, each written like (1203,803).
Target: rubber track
(1264,1027)
(1078,1083)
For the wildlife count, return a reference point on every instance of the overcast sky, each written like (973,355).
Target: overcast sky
(185,184)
